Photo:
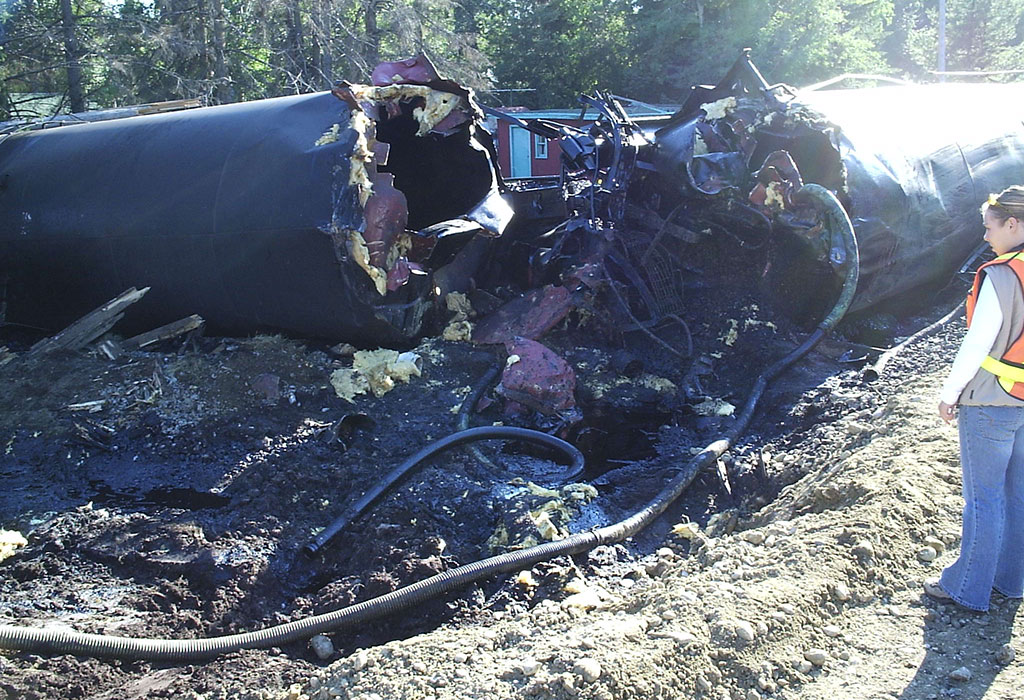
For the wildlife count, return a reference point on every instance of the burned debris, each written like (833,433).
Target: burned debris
(726,175)
(376,213)
(352,216)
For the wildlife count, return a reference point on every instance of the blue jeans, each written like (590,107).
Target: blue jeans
(992,547)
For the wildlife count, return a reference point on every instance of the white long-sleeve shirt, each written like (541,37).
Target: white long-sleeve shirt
(977,343)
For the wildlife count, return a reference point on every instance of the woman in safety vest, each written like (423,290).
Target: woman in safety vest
(987,382)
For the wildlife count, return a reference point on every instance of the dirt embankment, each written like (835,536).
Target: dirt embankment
(812,594)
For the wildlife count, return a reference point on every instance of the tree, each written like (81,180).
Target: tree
(73,55)
(984,34)
(794,41)
(47,57)
(810,40)
(116,52)
(558,48)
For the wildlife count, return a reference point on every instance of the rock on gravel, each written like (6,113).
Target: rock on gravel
(842,592)
(961,675)
(360,660)
(745,631)
(864,550)
(818,657)
(588,669)
(1005,655)
(753,536)
(322,647)
(680,637)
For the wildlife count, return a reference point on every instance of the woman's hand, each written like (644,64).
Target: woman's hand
(946,411)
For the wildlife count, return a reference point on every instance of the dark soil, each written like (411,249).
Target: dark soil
(182,506)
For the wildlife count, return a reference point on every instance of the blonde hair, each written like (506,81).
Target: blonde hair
(1009,202)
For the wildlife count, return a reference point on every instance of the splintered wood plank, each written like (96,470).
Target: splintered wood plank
(166,332)
(92,325)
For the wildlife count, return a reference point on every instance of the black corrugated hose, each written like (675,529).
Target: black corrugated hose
(68,642)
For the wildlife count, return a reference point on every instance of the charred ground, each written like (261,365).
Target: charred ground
(181,507)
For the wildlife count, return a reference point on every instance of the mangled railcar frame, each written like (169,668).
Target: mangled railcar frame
(741,161)
(349,219)
(279,214)
(909,164)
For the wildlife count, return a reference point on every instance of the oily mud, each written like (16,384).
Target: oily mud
(180,503)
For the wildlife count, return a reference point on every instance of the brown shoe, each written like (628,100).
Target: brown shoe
(934,590)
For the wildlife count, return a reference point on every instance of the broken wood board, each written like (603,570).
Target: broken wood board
(166,332)
(92,325)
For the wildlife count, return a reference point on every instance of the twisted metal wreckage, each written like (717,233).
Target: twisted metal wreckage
(354,219)
(349,215)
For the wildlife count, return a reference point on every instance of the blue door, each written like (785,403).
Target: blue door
(519,143)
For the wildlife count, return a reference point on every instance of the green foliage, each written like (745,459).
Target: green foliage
(980,35)
(794,41)
(539,53)
(557,49)
(137,51)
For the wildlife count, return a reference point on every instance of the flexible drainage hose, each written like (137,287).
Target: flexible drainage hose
(873,372)
(68,642)
(836,220)
(487,432)
(468,404)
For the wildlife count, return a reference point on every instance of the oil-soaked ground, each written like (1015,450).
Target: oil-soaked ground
(182,506)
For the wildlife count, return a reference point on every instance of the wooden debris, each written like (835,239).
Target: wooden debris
(651,221)
(91,326)
(171,330)
(90,406)
(94,434)
(110,349)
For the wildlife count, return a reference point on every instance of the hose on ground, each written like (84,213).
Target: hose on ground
(181,650)
(837,221)
(873,372)
(487,432)
(468,404)
(69,642)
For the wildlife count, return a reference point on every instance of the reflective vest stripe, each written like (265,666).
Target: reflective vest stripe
(1010,376)
(1003,370)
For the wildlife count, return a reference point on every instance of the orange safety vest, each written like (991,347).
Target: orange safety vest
(1009,368)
